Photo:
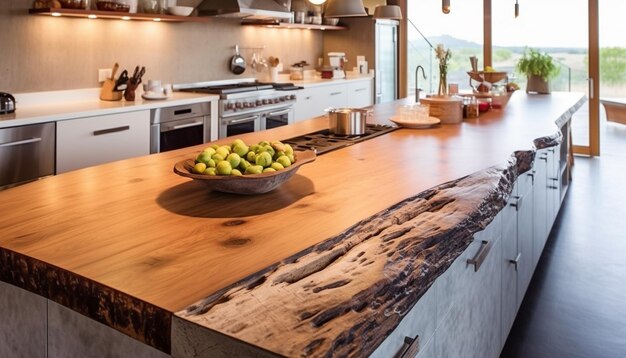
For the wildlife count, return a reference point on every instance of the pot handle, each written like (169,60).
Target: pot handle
(330,109)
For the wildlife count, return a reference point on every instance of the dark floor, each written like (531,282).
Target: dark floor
(576,303)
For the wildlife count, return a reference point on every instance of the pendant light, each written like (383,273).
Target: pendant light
(445,6)
(516,9)
(344,8)
(390,11)
(317,2)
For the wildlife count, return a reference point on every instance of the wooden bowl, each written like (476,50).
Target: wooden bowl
(245,184)
(491,77)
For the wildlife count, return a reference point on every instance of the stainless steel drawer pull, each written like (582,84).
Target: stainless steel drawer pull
(410,348)
(544,158)
(335,93)
(111,130)
(517,204)
(187,125)
(20,142)
(482,253)
(279,113)
(360,89)
(516,261)
(532,176)
(241,120)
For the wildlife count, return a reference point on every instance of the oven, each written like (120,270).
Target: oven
(179,127)
(277,118)
(236,125)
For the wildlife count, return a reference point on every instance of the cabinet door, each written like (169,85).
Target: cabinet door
(307,104)
(524,207)
(91,141)
(360,94)
(509,273)
(419,322)
(540,204)
(336,96)
(471,326)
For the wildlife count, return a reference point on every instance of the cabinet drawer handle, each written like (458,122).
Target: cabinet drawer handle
(482,253)
(20,142)
(359,89)
(544,158)
(335,93)
(516,261)
(532,176)
(279,113)
(111,130)
(187,125)
(410,348)
(517,204)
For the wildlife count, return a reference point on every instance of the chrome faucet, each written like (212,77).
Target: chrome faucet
(417,87)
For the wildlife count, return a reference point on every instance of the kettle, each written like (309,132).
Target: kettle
(7,103)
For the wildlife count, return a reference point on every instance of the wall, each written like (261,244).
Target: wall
(41,53)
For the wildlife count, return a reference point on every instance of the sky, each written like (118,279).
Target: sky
(542,23)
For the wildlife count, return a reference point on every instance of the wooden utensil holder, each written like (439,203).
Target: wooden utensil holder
(108,93)
(129,93)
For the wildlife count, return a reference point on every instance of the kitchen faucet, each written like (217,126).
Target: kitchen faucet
(417,87)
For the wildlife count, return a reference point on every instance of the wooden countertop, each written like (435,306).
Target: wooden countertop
(137,228)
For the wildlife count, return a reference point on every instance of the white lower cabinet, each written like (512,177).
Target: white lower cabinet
(540,207)
(314,99)
(91,141)
(360,94)
(414,331)
(470,299)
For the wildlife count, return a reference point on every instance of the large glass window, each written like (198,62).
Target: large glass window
(461,31)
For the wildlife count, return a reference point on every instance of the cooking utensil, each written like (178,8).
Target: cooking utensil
(237,62)
(122,81)
(7,103)
(108,92)
(347,121)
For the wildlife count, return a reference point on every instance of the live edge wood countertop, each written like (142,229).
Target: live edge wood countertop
(134,234)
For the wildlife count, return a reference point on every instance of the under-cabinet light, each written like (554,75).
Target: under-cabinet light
(57,14)
(92,16)
(126,18)
(156,19)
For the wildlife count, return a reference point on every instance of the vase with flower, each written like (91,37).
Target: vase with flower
(443,56)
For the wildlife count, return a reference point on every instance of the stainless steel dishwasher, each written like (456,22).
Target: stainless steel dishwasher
(26,153)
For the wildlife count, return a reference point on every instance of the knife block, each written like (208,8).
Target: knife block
(108,93)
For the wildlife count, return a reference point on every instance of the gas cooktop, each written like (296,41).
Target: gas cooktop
(323,141)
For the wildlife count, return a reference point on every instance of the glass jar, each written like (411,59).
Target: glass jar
(149,6)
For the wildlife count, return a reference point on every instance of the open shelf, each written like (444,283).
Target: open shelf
(117,15)
(286,25)
(96,14)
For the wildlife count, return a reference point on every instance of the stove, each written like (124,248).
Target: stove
(323,141)
(239,98)
(246,105)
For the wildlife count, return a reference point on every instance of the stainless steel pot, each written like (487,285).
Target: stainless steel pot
(347,121)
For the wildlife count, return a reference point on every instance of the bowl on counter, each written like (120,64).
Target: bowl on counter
(180,10)
(245,184)
(332,21)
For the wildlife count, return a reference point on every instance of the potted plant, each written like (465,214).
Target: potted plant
(539,68)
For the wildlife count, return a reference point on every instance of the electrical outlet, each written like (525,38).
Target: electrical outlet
(104,74)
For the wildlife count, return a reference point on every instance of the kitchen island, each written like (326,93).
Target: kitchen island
(135,247)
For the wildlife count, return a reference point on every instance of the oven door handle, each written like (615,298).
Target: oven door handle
(187,125)
(279,113)
(241,120)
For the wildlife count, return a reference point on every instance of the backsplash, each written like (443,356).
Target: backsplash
(42,53)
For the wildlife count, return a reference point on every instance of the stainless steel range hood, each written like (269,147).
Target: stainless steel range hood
(248,9)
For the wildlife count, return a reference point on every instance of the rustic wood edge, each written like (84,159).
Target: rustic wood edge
(363,316)
(135,318)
